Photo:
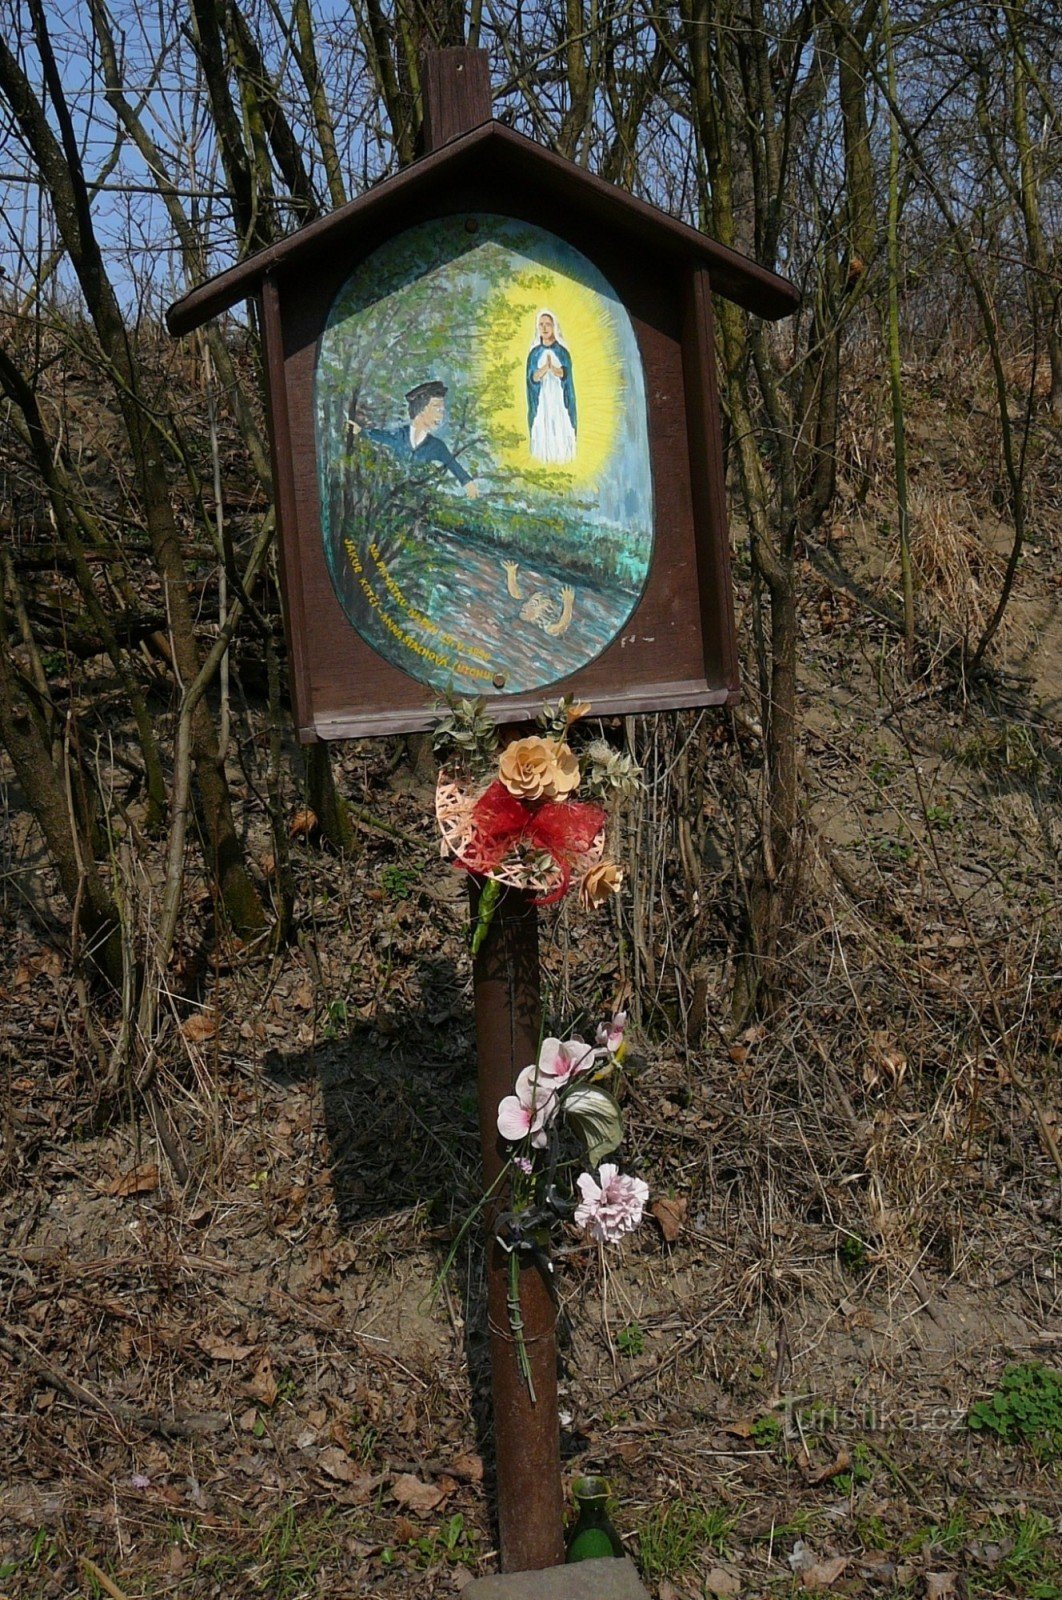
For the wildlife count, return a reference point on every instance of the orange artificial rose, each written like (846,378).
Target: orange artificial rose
(597,884)
(525,768)
(564,776)
(536,769)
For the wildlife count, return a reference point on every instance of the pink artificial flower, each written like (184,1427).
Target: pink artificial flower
(611,1207)
(529,1110)
(610,1034)
(559,1062)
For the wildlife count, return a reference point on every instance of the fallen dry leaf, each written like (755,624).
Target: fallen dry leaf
(941,1585)
(302,823)
(223,1349)
(812,1570)
(139,1180)
(263,1385)
(823,1574)
(670,1215)
(337,1464)
(460,1577)
(887,1064)
(469,1468)
(420,1498)
(842,1463)
(178,1560)
(199,1027)
(47,961)
(409,1421)
(403,1532)
(720,1581)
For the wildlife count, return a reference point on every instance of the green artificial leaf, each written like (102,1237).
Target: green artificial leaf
(596,1118)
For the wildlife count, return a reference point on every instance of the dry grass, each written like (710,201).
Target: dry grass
(957,575)
(221,1347)
(846,1240)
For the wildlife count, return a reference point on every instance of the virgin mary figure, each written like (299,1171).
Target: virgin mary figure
(551,417)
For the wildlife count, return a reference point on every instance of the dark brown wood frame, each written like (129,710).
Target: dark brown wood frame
(677,648)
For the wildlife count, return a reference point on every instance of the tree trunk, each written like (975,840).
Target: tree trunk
(1043,286)
(61,171)
(62,498)
(96,916)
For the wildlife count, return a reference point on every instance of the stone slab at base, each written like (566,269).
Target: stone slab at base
(583,1580)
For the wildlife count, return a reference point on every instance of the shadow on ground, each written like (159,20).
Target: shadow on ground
(403,1141)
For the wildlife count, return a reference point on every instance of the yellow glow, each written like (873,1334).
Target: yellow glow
(586,330)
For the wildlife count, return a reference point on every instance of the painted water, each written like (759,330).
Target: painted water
(503,637)
(483,456)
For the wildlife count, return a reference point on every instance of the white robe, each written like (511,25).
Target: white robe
(552,434)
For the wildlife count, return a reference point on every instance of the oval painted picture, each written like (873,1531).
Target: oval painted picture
(483,456)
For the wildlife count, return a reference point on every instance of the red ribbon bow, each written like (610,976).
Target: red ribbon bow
(563,829)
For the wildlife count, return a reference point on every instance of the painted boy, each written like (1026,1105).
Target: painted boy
(419,442)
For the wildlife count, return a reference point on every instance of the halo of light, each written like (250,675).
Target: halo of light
(508,330)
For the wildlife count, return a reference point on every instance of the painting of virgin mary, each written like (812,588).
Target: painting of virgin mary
(551,414)
(479,537)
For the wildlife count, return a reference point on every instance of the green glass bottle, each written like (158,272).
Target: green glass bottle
(593,1536)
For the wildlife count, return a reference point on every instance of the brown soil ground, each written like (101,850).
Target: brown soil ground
(228,1328)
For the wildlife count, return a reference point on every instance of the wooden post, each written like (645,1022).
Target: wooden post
(526,1435)
(508,1028)
(456,94)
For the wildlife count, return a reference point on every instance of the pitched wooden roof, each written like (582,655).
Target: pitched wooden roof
(492,144)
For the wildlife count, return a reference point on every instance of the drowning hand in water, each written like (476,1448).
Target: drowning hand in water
(538,607)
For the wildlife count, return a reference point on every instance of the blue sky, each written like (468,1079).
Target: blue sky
(162,79)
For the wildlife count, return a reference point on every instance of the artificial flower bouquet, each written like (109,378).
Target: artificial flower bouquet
(563,1088)
(511,817)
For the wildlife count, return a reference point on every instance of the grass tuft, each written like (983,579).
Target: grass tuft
(674,1534)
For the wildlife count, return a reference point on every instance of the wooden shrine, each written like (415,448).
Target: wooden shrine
(478,236)
(498,466)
